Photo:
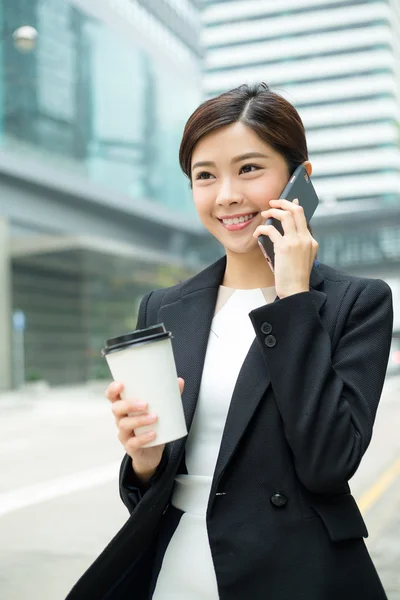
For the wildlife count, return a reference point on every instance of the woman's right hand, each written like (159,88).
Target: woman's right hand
(144,460)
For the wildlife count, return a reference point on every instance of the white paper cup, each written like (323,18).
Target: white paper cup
(144,362)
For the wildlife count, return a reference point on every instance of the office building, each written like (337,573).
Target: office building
(93,100)
(338,62)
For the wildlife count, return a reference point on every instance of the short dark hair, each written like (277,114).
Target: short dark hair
(268,114)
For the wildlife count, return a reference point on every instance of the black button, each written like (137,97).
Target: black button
(279,500)
(270,341)
(266,328)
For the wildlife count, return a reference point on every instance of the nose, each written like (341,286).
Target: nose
(227,195)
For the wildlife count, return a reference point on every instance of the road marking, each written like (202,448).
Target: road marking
(61,486)
(385,519)
(375,492)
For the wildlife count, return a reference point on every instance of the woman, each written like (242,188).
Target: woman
(280,374)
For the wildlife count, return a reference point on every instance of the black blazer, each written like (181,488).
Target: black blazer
(282,522)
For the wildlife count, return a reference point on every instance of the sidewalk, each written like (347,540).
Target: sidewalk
(29,396)
(64,441)
(92,390)
(91,396)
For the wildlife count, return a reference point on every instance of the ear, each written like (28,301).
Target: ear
(308,167)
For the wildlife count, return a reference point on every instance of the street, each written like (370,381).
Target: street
(59,501)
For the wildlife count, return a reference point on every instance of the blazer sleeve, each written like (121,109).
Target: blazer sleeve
(327,402)
(130,487)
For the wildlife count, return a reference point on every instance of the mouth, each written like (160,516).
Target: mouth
(237,224)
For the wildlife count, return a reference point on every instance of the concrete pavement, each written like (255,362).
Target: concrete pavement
(59,502)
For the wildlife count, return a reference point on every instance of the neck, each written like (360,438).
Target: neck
(247,271)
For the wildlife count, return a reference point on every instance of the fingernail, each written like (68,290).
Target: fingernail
(141,405)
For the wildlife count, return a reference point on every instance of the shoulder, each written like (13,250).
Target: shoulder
(211,275)
(358,284)
(159,295)
(352,290)
(153,300)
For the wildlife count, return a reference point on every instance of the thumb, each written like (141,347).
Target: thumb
(181,383)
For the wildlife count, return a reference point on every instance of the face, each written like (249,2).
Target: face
(235,173)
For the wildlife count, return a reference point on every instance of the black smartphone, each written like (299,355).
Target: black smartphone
(299,186)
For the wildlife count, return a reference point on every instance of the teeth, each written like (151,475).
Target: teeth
(236,221)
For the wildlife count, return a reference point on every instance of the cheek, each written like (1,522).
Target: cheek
(203,201)
(265,189)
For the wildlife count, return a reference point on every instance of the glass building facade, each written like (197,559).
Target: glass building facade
(99,100)
(95,103)
(74,298)
(337,62)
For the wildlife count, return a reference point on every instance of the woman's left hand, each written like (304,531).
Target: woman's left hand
(295,251)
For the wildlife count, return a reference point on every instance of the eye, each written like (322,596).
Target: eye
(203,175)
(249,168)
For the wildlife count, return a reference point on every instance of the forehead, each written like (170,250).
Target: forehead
(232,139)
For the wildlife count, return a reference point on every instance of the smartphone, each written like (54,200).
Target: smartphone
(299,186)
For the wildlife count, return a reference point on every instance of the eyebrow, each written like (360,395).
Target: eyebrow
(236,159)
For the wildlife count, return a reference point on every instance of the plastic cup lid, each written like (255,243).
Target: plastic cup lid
(140,336)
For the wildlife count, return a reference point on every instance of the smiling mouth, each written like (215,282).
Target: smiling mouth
(238,223)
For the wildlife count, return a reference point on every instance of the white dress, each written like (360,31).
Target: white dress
(187,571)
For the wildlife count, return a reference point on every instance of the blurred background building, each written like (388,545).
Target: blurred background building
(94,210)
(91,115)
(338,62)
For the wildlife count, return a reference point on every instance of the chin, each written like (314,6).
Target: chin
(243,249)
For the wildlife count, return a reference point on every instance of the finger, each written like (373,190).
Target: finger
(181,383)
(113,392)
(270,231)
(315,247)
(121,408)
(129,424)
(284,216)
(282,203)
(295,209)
(137,441)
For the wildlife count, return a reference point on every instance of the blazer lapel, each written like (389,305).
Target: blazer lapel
(191,315)
(190,312)
(252,383)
